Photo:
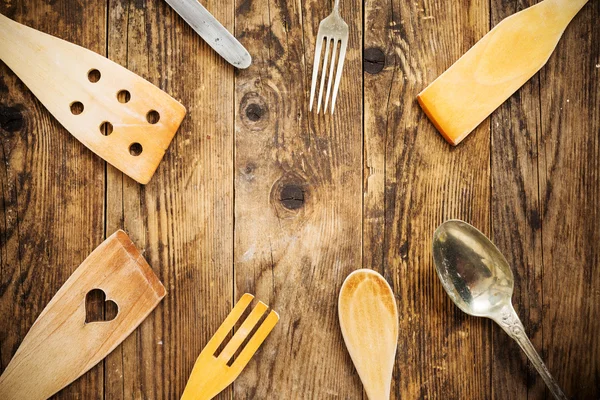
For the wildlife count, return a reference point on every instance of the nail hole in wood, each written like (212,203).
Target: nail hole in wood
(152,117)
(106,128)
(135,149)
(98,309)
(124,96)
(94,75)
(76,107)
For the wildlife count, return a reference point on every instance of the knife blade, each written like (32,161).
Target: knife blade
(211,30)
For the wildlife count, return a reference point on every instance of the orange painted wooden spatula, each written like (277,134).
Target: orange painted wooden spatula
(61,345)
(369,322)
(496,67)
(121,117)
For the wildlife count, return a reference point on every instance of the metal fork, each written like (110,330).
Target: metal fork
(334,30)
(211,374)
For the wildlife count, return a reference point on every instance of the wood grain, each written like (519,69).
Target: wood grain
(52,189)
(569,148)
(298,199)
(184,217)
(315,198)
(517,226)
(415,181)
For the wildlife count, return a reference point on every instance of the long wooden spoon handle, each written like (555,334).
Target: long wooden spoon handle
(510,322)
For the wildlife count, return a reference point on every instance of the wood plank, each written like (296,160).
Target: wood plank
(516,225)
(569,163)
(415,181)
(298,199)
(184,216)
(52,188)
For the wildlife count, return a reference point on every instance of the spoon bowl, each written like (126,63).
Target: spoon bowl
(479,280)
(472,270)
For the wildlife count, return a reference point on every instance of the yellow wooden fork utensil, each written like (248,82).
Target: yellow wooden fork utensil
(211,373)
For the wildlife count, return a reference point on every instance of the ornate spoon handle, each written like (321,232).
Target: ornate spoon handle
(510,322)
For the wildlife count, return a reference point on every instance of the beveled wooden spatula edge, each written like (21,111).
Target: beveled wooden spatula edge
(143,265)
(435,123)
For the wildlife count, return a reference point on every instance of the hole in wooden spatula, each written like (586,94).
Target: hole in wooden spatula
(106,128)
(152,117)
(94,75)
(98,309)
(123,96)
(135,149)
(76,107)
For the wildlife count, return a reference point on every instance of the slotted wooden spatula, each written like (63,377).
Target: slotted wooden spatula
(212,372)
(369,321)
(496,67)
(121,117)
(61,345)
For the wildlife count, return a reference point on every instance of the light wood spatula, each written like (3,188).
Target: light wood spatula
(496,67)
(121,117)
(214,372)
(369,322)
(61,345)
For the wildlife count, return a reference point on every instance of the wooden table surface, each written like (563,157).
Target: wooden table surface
(257,194)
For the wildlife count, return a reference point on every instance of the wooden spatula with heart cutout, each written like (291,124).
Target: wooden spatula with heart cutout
(369,321)
(496,67)
(61,345)
(121,117)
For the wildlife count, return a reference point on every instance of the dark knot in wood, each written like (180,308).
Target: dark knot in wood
(254,112)
(11,118)
(374,60)
(292,196)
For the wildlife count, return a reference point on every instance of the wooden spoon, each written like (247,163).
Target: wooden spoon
(496,67)
(121,117)
(62,344)
(369,322)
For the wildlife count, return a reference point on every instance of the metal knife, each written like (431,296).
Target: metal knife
(212,32)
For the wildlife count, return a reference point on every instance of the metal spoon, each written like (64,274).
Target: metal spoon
(479,280)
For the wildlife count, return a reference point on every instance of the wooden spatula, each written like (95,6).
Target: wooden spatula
(496,67)
(61,345)
(369,322)
(118,115)
(214,372)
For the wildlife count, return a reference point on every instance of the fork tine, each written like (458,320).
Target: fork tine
(323,74)
(243,332)
(254,343)
(316,63)
(338,74)
(330,80)
(227,325)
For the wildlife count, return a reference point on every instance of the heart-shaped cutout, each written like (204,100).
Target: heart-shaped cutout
(98,309)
